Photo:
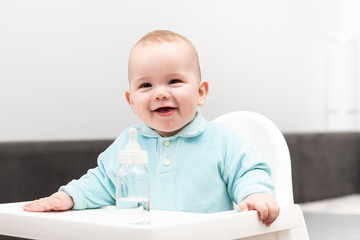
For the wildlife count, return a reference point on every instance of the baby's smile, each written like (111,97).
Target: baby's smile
(165,111)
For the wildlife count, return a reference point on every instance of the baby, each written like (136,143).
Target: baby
(195,165)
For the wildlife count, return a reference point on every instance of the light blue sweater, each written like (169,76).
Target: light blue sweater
(204,168)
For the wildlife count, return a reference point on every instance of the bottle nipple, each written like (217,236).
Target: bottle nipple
(132,144)
(133,153)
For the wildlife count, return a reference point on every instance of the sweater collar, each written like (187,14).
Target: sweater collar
(194,128)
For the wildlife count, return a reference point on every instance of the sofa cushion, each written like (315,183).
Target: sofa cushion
(324,165)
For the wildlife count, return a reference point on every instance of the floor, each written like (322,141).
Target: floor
(333,219)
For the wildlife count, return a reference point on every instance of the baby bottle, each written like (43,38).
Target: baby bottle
(133,183)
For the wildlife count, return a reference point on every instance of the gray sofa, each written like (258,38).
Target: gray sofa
(324,165)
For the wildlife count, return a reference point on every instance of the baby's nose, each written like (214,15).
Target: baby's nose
(160,94)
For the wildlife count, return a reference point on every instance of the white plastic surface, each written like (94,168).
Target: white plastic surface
(102,224)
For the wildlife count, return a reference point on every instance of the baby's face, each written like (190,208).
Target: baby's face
(165,85)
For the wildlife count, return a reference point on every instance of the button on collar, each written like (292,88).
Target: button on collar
(167,143)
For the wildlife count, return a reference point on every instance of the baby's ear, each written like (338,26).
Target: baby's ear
(128,99)
(203,92)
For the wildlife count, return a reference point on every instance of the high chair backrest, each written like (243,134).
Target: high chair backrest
(266,137)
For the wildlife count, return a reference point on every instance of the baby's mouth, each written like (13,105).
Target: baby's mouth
(164,109)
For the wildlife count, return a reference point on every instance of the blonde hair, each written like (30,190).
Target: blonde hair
(162,36)
(159,36)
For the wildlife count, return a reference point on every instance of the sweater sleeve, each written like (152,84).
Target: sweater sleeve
(245,171)
(97,187)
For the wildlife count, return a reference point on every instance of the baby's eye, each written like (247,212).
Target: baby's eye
(174,81)
(145,85)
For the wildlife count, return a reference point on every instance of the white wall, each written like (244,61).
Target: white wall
(348,19)
(63,64)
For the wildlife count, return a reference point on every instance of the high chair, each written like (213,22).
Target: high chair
(265,136)
(105,223)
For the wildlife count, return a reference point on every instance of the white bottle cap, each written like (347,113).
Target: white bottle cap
(133,153)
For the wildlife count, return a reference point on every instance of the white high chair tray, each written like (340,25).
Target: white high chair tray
(102,224)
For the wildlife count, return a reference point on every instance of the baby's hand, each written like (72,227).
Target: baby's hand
(59,201)
(264,204)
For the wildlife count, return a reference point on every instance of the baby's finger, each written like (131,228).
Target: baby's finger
(30,207)
(243,207)
(36,206)
(263,210)
(274,212)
